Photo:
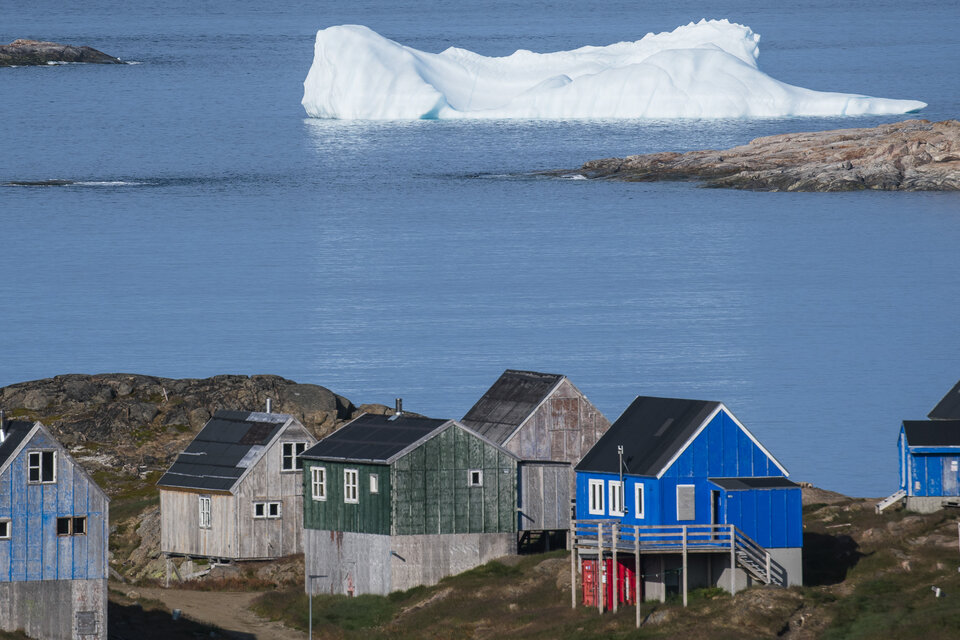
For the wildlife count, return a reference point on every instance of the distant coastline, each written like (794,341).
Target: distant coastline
(913,155)
(23,53)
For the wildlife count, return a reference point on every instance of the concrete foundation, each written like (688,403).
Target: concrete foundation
(358,563)
(55,609)
(924,504)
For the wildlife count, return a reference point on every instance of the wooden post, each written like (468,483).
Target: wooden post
(663,579)
(601,591)
(573,564)
(636,555)
(166,584)
(733,561)
(614,530)
(684,530)
(768,567)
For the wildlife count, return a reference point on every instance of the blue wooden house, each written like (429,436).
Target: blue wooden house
(53,538)
(929,458)
(708,503)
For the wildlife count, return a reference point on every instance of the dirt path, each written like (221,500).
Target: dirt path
(228,610)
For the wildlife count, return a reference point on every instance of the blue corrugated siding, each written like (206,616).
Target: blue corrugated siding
(772,517)
(932,474)
(35,552)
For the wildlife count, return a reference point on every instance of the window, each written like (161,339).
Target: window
(638,500)
(595,487)
(42,466)
(291,453)
(350,484)
(266,509)
(71,526)
(616,498)
(204,512)
(475,478)
(5,530)
(686,505)
(953,465)
(318,480)
(374,483)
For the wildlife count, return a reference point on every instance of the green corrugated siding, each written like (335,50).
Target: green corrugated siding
(370,515)
(432,493)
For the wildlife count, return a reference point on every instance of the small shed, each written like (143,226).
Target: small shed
(395,502)
(54,525)
(235,492)
(930,464)
(549,424)
(688,471)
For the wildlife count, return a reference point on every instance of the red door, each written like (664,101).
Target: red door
(626,580)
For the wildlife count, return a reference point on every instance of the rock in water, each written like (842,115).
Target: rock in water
(914,155)
(34,52)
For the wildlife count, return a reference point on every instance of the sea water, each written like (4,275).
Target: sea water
(216,229)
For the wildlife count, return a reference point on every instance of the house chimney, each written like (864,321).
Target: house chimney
(269,405)
(399,410)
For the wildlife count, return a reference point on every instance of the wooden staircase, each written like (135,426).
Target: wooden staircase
(890,500)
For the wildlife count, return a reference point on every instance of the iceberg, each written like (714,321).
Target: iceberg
(706,69)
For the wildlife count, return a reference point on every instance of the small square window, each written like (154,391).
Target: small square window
(475,478)
(259,510)
(63,526)
(5,528)
(291,455)
(374,483)
(79,526)
(41,466)
(273,509)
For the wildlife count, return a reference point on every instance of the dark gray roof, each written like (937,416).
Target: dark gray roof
(743,484)
(16,431)
(949,406)
(373,438)
(651,431)
(511,399)
(223,450)
(932,433)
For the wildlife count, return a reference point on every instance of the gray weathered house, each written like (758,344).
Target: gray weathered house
(235,493)
(549,424)
(393,502)
(53,539)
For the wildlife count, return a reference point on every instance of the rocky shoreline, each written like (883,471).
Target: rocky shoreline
(22,52)
(913,155)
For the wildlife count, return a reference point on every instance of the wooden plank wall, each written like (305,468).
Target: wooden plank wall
(35,551)
(432,494)
(370,515)
(180,530)
(563,428)
(544,496)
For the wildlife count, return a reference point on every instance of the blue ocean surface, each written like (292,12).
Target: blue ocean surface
(216,229)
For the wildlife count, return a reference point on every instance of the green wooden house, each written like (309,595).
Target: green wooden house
(393,502)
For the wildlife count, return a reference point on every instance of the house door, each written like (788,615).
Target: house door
(716,516)
(951,476)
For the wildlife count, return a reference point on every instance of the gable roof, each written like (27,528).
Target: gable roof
(949,406)
(651,430)
(932,433)
(228,444)
(509,402)
(744,484)
(375,438)
(16,432)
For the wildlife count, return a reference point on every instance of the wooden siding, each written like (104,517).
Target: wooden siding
(180,531)
(544,496)
(370,514)
(35,551)
(563,428)
(431,493)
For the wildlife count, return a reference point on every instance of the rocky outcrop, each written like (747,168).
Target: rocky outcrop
(34,52)
(914,155)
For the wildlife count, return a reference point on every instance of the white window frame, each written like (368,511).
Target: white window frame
(35,462)
(206,511)
(475,477)
(615,491)
(265,507)
(8,525)
(638,497)
(374,483)
(351,486)
(318,483)
(275,510)
(693,488)
(595,497)
(259,510)
(290,460)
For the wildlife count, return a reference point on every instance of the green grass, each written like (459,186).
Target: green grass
(340,612)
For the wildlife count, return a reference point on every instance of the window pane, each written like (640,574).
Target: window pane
(258,509)
(274,509)
(46,468)
(79,526)
(4,529)
(63,526)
